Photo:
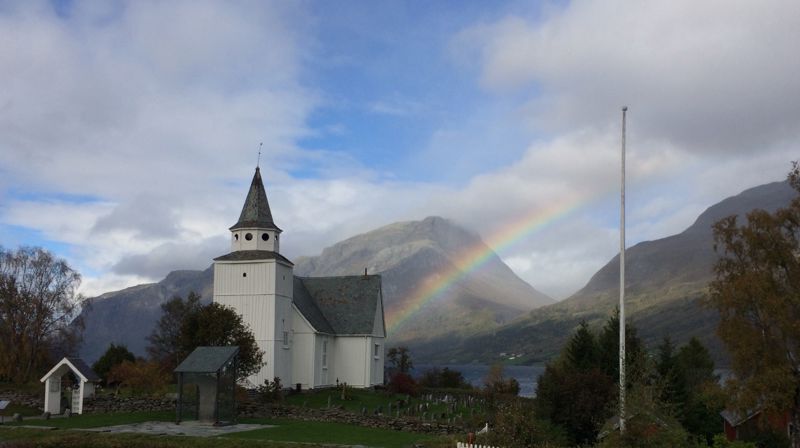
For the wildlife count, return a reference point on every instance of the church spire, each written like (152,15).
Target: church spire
(256,212)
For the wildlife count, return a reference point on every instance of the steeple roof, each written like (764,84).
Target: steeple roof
(256,212)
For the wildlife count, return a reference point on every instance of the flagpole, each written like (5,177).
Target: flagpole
(622,285)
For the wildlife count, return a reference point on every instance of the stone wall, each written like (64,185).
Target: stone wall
(110,403)
(338,415)
(24,398)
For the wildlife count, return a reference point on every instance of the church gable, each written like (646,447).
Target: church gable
(340,305)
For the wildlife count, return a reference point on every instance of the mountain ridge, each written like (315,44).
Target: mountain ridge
(666,280)
(403,253)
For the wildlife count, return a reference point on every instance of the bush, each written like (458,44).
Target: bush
(516,425)
(142,377)
(496,384)
(270,391)
(402,383)
(114,356)
(436,378)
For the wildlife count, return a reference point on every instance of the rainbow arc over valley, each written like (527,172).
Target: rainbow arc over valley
(475,256)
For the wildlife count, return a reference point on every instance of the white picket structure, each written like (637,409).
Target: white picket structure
(472,445)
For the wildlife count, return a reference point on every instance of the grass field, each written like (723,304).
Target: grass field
(284,431)
(30,438)
(96,420)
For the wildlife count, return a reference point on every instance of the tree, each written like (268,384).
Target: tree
(114,355)
(688,386)
(495,382)
(141,376)
(577,401)
(38,301)
(219,325)
(400,358)
(581,350)
(635,356)
(757,293)
(165,340)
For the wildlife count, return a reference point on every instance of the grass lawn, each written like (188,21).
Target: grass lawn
(286,431)
(35,438)
(23,410)
(324,432)
(96,420)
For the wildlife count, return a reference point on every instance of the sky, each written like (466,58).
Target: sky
(129,131)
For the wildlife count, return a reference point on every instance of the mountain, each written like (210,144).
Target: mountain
(406,254)
(665,282)
(128,316)
(409,254)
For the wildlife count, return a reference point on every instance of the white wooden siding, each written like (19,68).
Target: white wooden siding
(302,351)
(351,359)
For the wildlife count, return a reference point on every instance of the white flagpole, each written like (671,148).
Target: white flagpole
(622,286)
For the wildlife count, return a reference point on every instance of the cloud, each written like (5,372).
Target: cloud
(715,76)
(169,256)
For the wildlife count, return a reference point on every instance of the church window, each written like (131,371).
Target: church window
(285,339)
(265,236)
(324,354)
(244,274)
(377,351)
(248,236)
(236,236)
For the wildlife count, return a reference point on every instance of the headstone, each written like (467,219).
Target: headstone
(329,401)
(364,410)
(16,417)
(46,415)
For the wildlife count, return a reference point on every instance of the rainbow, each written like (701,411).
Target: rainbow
(475,256)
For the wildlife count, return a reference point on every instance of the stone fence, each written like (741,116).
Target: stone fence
(250,408)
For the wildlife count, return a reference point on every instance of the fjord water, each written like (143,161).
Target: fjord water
(527,376)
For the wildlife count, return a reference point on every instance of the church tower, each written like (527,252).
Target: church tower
(257,281)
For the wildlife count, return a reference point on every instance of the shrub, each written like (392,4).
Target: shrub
(402,383)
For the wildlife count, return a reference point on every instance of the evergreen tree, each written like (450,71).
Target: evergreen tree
(635,356)
(581,350)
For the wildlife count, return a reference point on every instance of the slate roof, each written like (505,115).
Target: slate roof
(250,255)
(339,305)
(84,369)
(256,212)
(207,359)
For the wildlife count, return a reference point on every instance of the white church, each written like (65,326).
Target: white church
(314,331)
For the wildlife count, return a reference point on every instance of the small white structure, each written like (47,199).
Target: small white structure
(314,331)
(52,385)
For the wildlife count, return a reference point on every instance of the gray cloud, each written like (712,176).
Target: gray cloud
(710,76)
(168,257)
(150,217)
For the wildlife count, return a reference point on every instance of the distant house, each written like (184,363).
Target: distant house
(314,331)
(742,426)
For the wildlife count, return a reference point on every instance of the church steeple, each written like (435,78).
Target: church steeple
(255,229)
(256,212)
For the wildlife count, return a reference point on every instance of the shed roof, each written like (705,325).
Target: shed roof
(207,359)
(347,304)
